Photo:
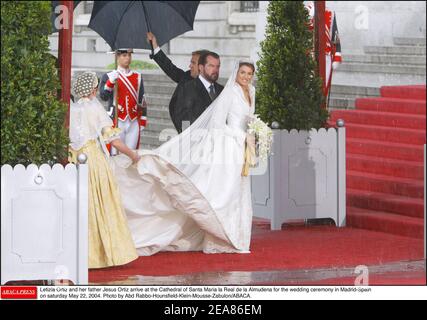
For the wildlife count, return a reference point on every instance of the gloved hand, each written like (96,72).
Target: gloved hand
(113,76)
(335,65)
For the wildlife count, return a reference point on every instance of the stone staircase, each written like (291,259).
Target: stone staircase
(401,64)
(159,89)
(344,96)
(385,160)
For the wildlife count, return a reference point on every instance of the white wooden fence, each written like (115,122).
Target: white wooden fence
(44,223)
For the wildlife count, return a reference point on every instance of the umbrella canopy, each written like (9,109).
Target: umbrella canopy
(124,24)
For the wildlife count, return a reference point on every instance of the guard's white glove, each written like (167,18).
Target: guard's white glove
(335,65)
(110,112)
(113,76)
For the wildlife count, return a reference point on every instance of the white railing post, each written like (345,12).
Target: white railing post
(341,174)
(82,207)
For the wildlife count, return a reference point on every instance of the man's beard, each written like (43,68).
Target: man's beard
(212,78)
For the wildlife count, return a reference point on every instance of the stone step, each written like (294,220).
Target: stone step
(389,103)
(163,121)
(154,138)
(157,125)
(381,68)
(389,150)
(160,124)
(343,96)
(341,102)
(395,50)
(386,59)
(385,222)
(379,133)
(158,112)
(156,77)
(385,184)
(165,88)
(405,92)
(356,91)
(409,41)
(150,138)
(157,99)
(370,79)
(378,201)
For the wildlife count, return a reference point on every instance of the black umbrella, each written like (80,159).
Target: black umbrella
(124,24)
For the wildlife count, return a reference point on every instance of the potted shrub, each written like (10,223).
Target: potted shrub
(305,176)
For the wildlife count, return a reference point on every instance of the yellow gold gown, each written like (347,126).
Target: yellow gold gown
(110,241)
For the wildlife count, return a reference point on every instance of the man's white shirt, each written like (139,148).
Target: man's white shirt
(206,83)
(156,51)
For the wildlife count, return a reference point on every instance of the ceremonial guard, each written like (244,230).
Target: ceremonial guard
(333,45)
(124,90)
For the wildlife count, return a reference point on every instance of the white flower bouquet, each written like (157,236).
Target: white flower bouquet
(263,136)
(263,143)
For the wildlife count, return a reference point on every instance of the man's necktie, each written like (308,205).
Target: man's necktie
(212,92)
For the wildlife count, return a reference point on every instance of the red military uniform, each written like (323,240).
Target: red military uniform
(128,87)
(130,100)
(333,45)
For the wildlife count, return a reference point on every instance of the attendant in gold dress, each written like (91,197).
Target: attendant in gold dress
(110,241)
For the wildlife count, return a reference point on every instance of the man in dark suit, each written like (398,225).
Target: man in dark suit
(194,96)
(176,74)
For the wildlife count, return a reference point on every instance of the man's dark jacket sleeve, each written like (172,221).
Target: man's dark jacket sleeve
(171,70)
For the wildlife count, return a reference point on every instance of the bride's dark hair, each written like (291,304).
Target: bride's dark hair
(248,64)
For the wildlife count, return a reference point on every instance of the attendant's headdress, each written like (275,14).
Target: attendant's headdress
(85,83)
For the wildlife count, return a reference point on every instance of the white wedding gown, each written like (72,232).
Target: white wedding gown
(189,194)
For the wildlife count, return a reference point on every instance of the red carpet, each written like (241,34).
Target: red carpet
(385,161)
(292,248)
(385,138)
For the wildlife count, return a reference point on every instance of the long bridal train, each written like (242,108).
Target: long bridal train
(189,193)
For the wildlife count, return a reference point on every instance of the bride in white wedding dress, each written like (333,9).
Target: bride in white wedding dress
(189,194)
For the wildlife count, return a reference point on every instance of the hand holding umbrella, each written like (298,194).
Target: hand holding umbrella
(152,38)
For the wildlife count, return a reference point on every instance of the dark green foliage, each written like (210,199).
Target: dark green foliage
(32,117)
(288,89)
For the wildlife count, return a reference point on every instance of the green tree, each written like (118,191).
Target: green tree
(136,65)
(32,117)
(288,88)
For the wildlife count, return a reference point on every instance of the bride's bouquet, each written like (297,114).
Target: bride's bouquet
(263,143)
